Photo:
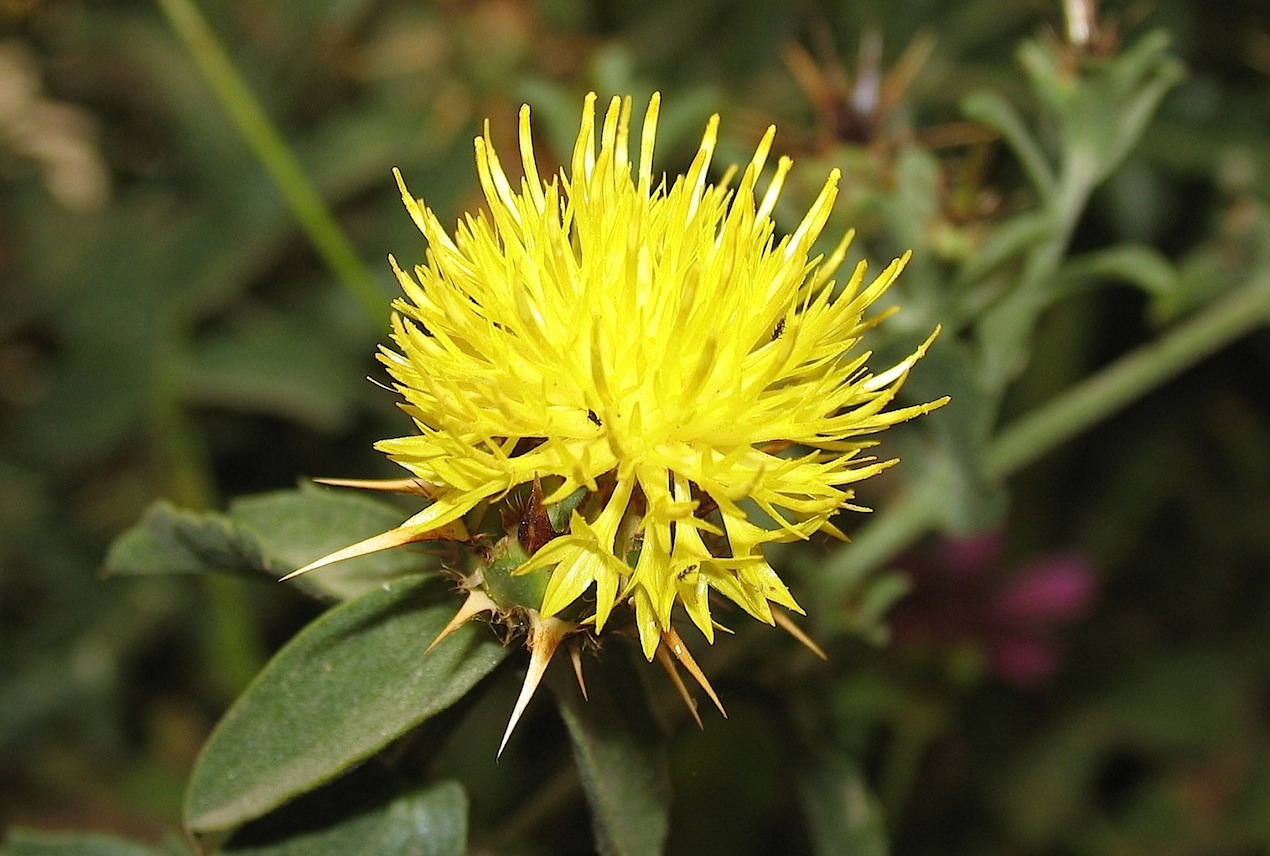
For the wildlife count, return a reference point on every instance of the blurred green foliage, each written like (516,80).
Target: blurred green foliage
(1089,225)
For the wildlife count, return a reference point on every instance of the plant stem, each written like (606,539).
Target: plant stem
(234,648)
(1050,425)
(886,534)
(278,159)
(1128,379)
(1005,334)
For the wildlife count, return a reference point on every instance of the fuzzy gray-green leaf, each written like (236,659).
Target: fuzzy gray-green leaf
(621,759)
(347,685)
(353,818)
(266,536)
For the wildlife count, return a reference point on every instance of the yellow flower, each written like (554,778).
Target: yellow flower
(655,345)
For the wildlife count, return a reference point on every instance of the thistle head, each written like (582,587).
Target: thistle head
(623,388)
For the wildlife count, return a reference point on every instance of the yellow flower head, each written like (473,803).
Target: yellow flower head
(655,345)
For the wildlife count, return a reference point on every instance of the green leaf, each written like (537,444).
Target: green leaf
(269,535)
(28,843)
(347,685)
(961,429)
(1102,111)
(1141,78)
(914,200)
(170,540)
(879,594)
(1204,275)
(1010,240)
(621,758)
(843,816)
(295,527)
(273,364)
(107,331)
(360,816)
(1136,264)
(993,110)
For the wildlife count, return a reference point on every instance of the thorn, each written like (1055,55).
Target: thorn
(455,531)
(544,638)
(476,603)
(833,531)
(797,632)
(663,657)
(406,485)
(670,638)
(575,654)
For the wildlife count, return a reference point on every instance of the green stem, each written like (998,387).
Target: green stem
(1011,325)
(278,159)
(886,534)
(1128,379)
(235,650)
(187,476)
(900,768)
(1084,405)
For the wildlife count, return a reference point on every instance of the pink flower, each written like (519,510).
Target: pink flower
(963,596)
(1051,590)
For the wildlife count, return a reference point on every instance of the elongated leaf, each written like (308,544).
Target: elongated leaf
(27,843)
(1137,264)
(267,536)
(359,816)
(171,540)
(992,109)
(347,685)
(107,331)
(273,365)
(1144,75)
(621,758)
(1008,241)
(297,526)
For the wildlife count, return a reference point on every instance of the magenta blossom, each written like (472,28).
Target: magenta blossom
(962,596)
